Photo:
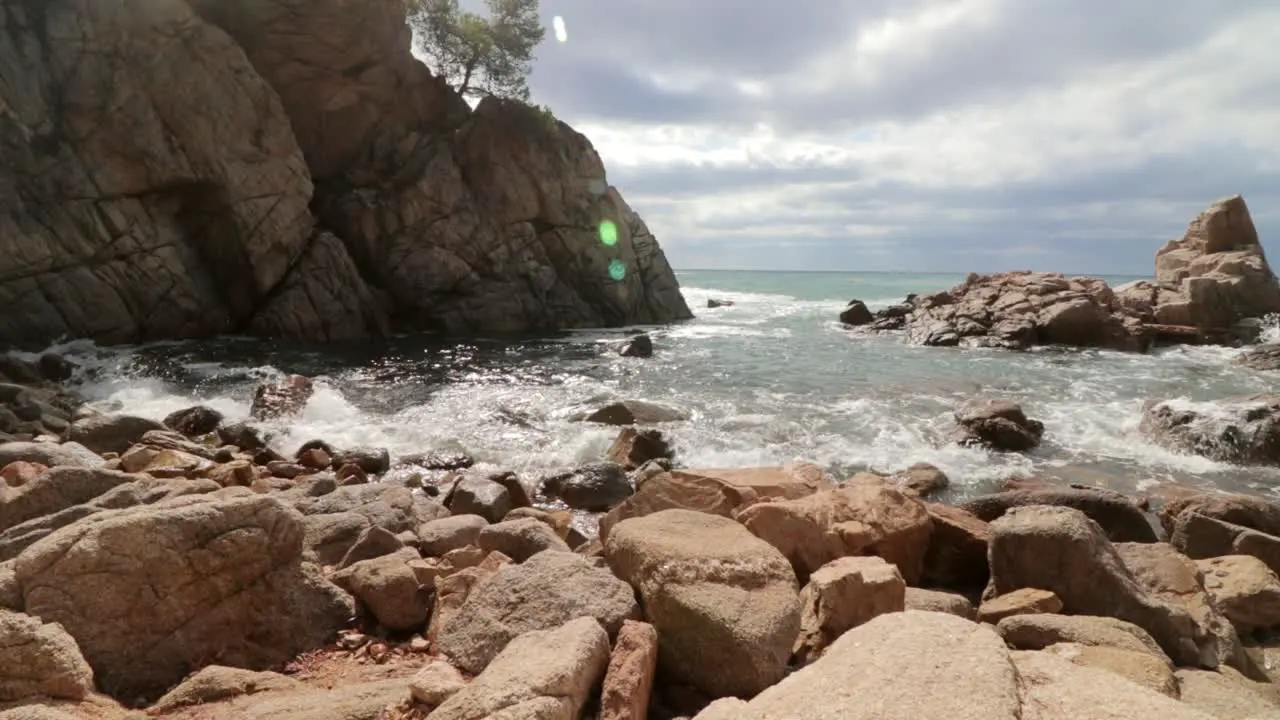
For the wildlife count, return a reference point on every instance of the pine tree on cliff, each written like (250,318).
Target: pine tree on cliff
(479,56)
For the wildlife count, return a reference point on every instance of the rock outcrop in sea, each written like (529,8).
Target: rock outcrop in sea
(1208,285)
(184,168)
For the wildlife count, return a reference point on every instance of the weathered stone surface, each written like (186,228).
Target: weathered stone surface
(194,421)
(542,593)
(1243,431)
(921,479)
(1225,695)
(1120,517)
(1025,601)
(1089,576)
(938,601)
(478,495)
(110,433)
(368,700)
(58,489)
(438,537)
(724,602)
(1245,588)
(452,590)
(636,446)
(40,659)
(224,571)
(1054,688)
(718,491)
(997,424)
(901,666)
(1249,511)
(540,674)
(957,554)
(854,519)
(1142,668)
(436,682)
(629,680)
(67,454)
(1036,632)
(521,539)
(1260,357)
(842,595)
(336,519)
(389,588)
(218,682)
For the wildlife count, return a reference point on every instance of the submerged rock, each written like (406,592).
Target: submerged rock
(856,314)
(194,421)
(1244,431)
(284,398)
(635,412)
(640,346)
(997,424)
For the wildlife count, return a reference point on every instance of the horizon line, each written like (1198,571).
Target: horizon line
(904,272)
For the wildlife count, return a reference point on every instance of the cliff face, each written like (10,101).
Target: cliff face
(286,168)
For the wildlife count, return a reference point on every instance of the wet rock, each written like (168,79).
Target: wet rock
(856,314)
(67,454)
(635,412)
(388,587)
(724,602)
(237,473)
(640,346)
(546,591)
(438,537)
(713,303)
(1242,431)
(938,601)
(719,492)
(541,674)
(374,461)
(314,459)
(853,519)
(217,682)
(921,479)
(284,398)
(628,682)
(110,433)
(194,421)
(438,460)
(634,447)
(56,368)
(1262,357)
(596,487)
(957,554)
(478,495)
(997,424)
(1037,632)
(242,435)
(1119,516)
(40,660)
(1245,588)
(1025,601)
(1089,576)
(227,571)
(842,595)
(520,539)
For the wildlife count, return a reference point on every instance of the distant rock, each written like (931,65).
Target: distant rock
(997,424)
(856,314)
(640,346)
(1243,431)
(194,421)
(714,303)
(635,412)
(283,398)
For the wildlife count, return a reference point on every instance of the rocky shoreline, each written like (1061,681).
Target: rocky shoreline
(185,569)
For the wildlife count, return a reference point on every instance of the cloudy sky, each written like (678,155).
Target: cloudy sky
(931,135)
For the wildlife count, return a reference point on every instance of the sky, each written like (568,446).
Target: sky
(923,135)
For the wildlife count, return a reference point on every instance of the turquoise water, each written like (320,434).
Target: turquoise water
(772,379)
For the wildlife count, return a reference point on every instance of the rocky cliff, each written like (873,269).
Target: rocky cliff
(287,168)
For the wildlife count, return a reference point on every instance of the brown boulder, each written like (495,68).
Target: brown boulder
(1226,695)
(939,601)
(283,398)
(1062,550)
(921,479)
(1142,668)
(521,539)
(997,424)
(389,588)
(1249,511)
(842,595)
(629,679)
(67,454)
(957,554)
(1054,688)
(110,433)
(438,537)
(17,474)
(217,682)
(40,660)
(1119,516)
(194,421)
(1245,588)
(56,490)
(478,495)
(1024,601)
(853,519)
(634,447)
(1037,632)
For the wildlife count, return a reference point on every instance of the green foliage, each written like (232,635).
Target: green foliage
(479,56)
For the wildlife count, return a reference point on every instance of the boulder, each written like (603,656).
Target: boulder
(938,601)
(1226,695)
(856,313)
(242,435)
(194,421)
(716,491)
(597,487)
(1260,357)
(1247,511)
(628,682)
(521,539)
(478,495)
(853,519)
(452,590)
(281,399)
(1174,578)
(640,346)
(1054,688)
(110,433)
(1142,668)
(1120,517)
(635,412)
(1025,601)
(1241,431)
(40,660)
(541,674)
(67,454)
(438,537)
(351,700)
(998,425)
(542,593)
(1245,588)
(389,588)
(1216,274)
(56,490)
(17,474)
(374,461)
(713,303)
(1062,550)
(1200,536)
(335,519)
(636,446)
(842,595)
(227,572)
(901,666)
(217,682)
(957,554)
(436,682)
(921,479)
(1037,632)
(724,602)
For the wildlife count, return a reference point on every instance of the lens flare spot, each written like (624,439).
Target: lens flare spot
(608,233)
(617,269)
(557,24)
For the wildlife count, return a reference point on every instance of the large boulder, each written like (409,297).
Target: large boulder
(153,592)
(1243,431)
(56,490)
(389,588)
(1040,631)
(1062,550)
(597,487)
(542,593)
(957,554)
(1245,588)
(110,433)
(724,602)
(1119,516)
(1055,688)
(842,595)
(40,660)
(853,519)
(283,398)
(997,424)
(541,674)
(716,491)
(1216,274)
(67,454)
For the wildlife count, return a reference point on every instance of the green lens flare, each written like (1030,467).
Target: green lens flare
(617,269)
(608,233)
